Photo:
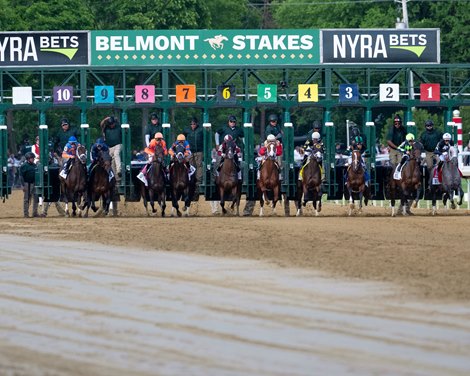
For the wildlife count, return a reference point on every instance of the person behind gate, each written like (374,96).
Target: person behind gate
(111,131)
(395,137)
(195,136)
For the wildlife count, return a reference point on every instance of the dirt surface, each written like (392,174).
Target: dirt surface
(429,257)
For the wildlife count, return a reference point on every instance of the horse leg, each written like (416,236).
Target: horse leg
(451,198)
(351,201)
(261,203)
(175,204)
(275,199)
(318,200)
(152,201)
(187,201)
(461,194)
(222,200)
(298,201)
(361,195)
(162,201)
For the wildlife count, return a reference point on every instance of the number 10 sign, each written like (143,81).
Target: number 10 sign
(62,94)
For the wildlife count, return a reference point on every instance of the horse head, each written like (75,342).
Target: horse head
(271,151)
(179,157)
(158,154)
(81,154)
(356,162)
(105,160)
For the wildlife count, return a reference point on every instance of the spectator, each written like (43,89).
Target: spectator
(274,128)
(195,136)
(430,138)
(35,150)
(395,137)
(466,158)
(111,131)
(63,135)
(152,128)
(28,176)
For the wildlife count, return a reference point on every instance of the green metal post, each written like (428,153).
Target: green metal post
(85,139)
(207,180)
(452,129)
(249,171)
(126,179)
(411,128)
(167,137)
(42,183)
(370,132)
(329,161)
(289,183)
(5,187)
(408,115)
(83,118)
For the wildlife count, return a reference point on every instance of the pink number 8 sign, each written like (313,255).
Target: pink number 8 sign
(144,94)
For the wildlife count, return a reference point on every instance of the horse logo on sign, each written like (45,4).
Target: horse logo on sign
(216,42)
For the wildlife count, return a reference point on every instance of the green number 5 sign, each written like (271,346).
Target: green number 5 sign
(267,93)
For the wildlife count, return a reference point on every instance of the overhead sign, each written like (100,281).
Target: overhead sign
(357,46)
(307,93)
(267,93)
(226,94)
(430,92)
(205,47)
(54,48)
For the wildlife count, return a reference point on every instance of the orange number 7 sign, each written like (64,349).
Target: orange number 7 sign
(185,93)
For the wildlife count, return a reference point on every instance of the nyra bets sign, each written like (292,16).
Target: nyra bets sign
(55,48)
(356,46)
(205,47)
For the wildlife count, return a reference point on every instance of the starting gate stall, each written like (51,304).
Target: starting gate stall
(334,185)
(47,183)
(289,183)
(5,185)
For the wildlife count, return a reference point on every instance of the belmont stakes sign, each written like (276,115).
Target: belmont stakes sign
(369,46)
(205,47)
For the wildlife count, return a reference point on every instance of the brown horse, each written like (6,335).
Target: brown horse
(310,186)
(156,187)
(269,179)
(181,186)
(451,182)
(100,186)
(409,186)
(74,187)
(356,183)
(230,187)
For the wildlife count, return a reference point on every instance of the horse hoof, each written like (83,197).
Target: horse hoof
(415,204)
(351,206)
(452,206)
(179,213)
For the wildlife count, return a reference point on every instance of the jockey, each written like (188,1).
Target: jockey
(443,148)
(315,146)
(263,152)
(358,144)
(150,150)
(69,153)
(223,148)
(405,147)
(97,148)
(181,145)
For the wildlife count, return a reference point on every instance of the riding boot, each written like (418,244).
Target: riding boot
(65,169)
(439,165)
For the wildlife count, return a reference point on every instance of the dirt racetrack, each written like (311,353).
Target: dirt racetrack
(277,296)
(429,257)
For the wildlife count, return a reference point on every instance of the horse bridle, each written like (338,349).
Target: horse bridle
(81,156)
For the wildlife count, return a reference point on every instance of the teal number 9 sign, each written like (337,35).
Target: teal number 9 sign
(104,94)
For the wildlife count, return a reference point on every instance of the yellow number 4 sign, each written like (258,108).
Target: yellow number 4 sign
(308,93)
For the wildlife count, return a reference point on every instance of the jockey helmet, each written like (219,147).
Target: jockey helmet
(272,117)
(315,136)
(228,138)
(271,137)
(181,137)
(410,137)
(358,140)
(29,155)
(429,123)
(158,135)
(73,139)
(100,141)
(447,136)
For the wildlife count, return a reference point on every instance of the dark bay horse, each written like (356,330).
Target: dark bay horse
(99,185)
(230,187)
(310,186)
(355,183)
(269,179)
(180,185)
(156,188)
(75,185)
(451,182)
(409,186)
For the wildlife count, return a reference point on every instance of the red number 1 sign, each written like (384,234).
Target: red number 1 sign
(430,92)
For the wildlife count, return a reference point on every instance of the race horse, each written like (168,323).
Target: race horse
(74,186)
(355,183)
(217,41)
(99,184)
(269,179)
(230,187)
(156,187)
(309,187)
(181,186)
(450,182)
(409,186)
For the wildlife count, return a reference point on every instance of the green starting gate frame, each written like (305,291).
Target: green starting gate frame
(5,184)
(454,80)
